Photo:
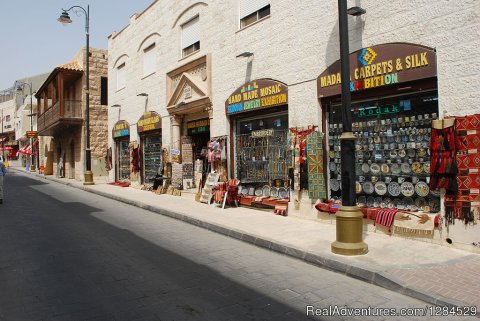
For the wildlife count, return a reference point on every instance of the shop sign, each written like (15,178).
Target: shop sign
(174,152)
(31,134)
(379,66)
(121,129)
(257,94)
(262,133)
(149,121)
(368,111)
(198,123)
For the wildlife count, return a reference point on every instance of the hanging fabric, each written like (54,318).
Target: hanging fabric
(316,180)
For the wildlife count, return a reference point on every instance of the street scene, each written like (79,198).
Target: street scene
(240,160)
(68,254)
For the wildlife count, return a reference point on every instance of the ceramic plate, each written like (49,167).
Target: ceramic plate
(421,188)
(380,188)
(266,191)
(334,185)
(365,168)
(332,166)
(426,168)
(368,187)
(417,168)
(251,191)
(377,202)
(273,192)
(407,189)
(421,202)
(402,153)
(411,153)
(362,201)
(385,168)
(370,201)
(405,167)
(258,191)
(394,189)
(395,168)
(245,190)
(358,187)
(283,192)
(375,168)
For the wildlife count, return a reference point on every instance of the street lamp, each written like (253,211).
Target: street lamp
(146,99)
(19,86)
(65,19)
(349,218)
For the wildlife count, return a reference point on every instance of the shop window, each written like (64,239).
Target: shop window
(104,91)
(149,61)
(391,149)
(191,36)
(121,76)
(252,11)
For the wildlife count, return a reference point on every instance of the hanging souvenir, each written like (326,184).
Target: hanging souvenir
(380,188)
(394,189)
(417,168)
(375,168)
(407,189)
(422,189)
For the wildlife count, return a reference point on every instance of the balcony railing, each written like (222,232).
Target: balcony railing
(72,111)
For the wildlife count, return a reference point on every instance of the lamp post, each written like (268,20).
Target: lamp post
(349,219)
(19,85)
(65,19)
(3,141)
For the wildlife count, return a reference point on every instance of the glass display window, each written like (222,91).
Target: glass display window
(123,160)
(152,157)
(392,150)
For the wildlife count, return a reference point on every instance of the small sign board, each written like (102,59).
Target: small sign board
(262,133)
(31,134)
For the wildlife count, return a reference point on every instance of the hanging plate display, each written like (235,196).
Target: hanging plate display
(395,168)
(370,201)
(380,188)
(368,187)
(266,191)
(244,190)
(283,192)
(407,189)
(332,166)
(258,191)
(375,168)
(273,192)
(365,168)
(362,201)
(405,168)
(417,168)
(385,169)
(334,185)
(421,202)
(422,189)
(358,187)
(394,189)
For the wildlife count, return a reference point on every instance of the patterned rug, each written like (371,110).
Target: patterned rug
(316,180)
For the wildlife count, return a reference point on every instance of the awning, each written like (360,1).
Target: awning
(27,150)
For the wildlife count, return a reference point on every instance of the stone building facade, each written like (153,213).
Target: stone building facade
(62,97)
(289,44)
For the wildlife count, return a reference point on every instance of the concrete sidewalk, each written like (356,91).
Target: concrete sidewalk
(432,273)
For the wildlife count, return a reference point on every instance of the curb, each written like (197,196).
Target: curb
(371,276)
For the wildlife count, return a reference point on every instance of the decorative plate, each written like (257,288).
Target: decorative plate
(334,185)
(362,201)
(370,201)
(407,189)
(358,169)
(411,153)
(393,189)
(395,168)
(366,168)
(375,168)
(368,187)
(402,153)
(422,189)
(421,152)
(251,191)
(421,202)
(393,154)
(258,191)
(380,188)
(426,167)
(273,192)
(405,167)
(332,166)
(417,168)
(266,191)
(377,202)
(244,190)
(358,187)
(283,192)
(385,168)
(331,154)
(408,201)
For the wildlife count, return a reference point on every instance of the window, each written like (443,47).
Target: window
(252,11)
(121,77)
(103,91)
(190,37)
(149,62)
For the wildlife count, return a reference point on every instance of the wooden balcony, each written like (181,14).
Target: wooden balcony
(54,119)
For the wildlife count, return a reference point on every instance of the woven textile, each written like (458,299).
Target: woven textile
(316,180)
(467,201)
(415,226)
(386,217)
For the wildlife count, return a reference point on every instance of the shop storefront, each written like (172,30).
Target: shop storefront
(262,157)
(149,127)
(394,100)
(121,138)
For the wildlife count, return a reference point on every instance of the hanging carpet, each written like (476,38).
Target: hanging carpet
(316,180)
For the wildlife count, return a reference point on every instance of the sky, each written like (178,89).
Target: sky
(34,42)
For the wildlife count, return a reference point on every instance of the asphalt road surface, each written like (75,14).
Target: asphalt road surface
(66,254)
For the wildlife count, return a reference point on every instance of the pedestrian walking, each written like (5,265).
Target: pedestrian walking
(3,171)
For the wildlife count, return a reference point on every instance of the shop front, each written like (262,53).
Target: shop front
(394,101)
(121,138)
(149,128)
(262,157)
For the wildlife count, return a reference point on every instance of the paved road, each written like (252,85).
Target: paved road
(66,254)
